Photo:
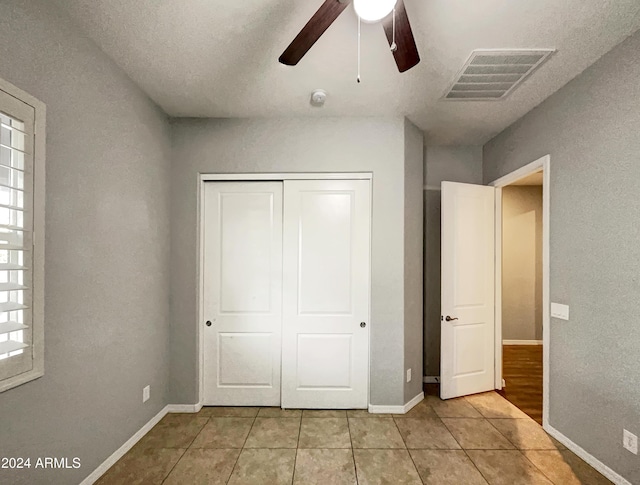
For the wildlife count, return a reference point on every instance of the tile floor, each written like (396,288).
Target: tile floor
(474,440)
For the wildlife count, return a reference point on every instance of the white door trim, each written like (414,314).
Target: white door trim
(543,163)
(244,177)
(278,177)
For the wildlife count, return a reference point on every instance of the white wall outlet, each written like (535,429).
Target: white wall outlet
(408,375)
(560,311)
(630,441)
(146,393)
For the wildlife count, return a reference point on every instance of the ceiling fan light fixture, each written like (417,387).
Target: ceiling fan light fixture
(373,10)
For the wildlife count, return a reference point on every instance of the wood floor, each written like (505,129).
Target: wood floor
(522,371)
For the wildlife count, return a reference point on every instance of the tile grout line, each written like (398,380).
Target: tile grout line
(174,465)
(185,450)
(353,456)
(538,468)
(243,444)
(464,450)
(452,435)
(504,435)
(403,440)
(474,465)
(295,457)
(409,451)
(521,450)
(516,447)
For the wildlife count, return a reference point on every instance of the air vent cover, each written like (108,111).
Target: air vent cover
(490,75)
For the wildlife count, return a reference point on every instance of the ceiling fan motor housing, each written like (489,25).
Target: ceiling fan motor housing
(397,29)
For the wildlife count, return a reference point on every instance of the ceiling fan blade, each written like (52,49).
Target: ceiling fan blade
(310,33)
(406,55)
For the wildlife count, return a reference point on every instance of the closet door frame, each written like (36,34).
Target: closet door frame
(263,177)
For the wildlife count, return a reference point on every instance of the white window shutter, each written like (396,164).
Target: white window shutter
(16,236)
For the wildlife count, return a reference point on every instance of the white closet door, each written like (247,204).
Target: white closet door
(242,293)
(325,354)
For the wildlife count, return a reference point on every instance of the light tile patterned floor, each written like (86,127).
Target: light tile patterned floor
(481,439)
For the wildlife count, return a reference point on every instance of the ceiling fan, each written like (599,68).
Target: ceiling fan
(391,13)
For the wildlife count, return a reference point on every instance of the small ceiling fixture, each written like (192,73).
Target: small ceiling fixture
(373,10)
(318,97)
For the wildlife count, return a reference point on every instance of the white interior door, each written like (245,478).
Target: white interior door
(468,300)
(325,347)
(242,293)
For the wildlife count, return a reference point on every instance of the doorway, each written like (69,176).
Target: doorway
(522,294)
(522,288)
(472,287)
(285,291)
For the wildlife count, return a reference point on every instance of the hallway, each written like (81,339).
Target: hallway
(522,372)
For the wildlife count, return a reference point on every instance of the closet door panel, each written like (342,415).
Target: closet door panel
(326,250)
(242,293)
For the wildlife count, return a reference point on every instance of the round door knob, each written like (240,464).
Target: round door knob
(363,324)
(208,324)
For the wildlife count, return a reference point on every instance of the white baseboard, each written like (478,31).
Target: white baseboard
(431,379)
(376,409)
(184,408)
(130,443)
(413,402)
(522,342)
(586,456)
(120,452)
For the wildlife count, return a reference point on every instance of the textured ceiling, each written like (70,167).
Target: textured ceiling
(218,58)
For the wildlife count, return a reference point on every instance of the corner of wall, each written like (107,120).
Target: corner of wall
(413,259)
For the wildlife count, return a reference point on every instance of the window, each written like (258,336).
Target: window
(21,237)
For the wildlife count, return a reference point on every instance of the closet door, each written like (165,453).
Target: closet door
(242,293)
(325,354)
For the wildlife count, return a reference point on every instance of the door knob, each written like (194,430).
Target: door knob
(363,324)
(449,319)
(208,324)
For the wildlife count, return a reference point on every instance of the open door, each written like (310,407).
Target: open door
(468,292)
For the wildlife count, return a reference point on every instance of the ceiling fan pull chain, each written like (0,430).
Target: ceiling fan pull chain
(358,50)
(394,46)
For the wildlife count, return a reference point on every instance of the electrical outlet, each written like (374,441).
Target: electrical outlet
(630,441)
(146,393)
(408,375)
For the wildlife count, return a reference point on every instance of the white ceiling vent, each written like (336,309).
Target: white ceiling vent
(490,75)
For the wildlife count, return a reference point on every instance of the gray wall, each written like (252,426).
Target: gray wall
(293,145)
(413,257)
(590,128)
(522,263)
(107,250)
(452,164)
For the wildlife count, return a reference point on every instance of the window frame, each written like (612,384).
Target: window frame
(37,290)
